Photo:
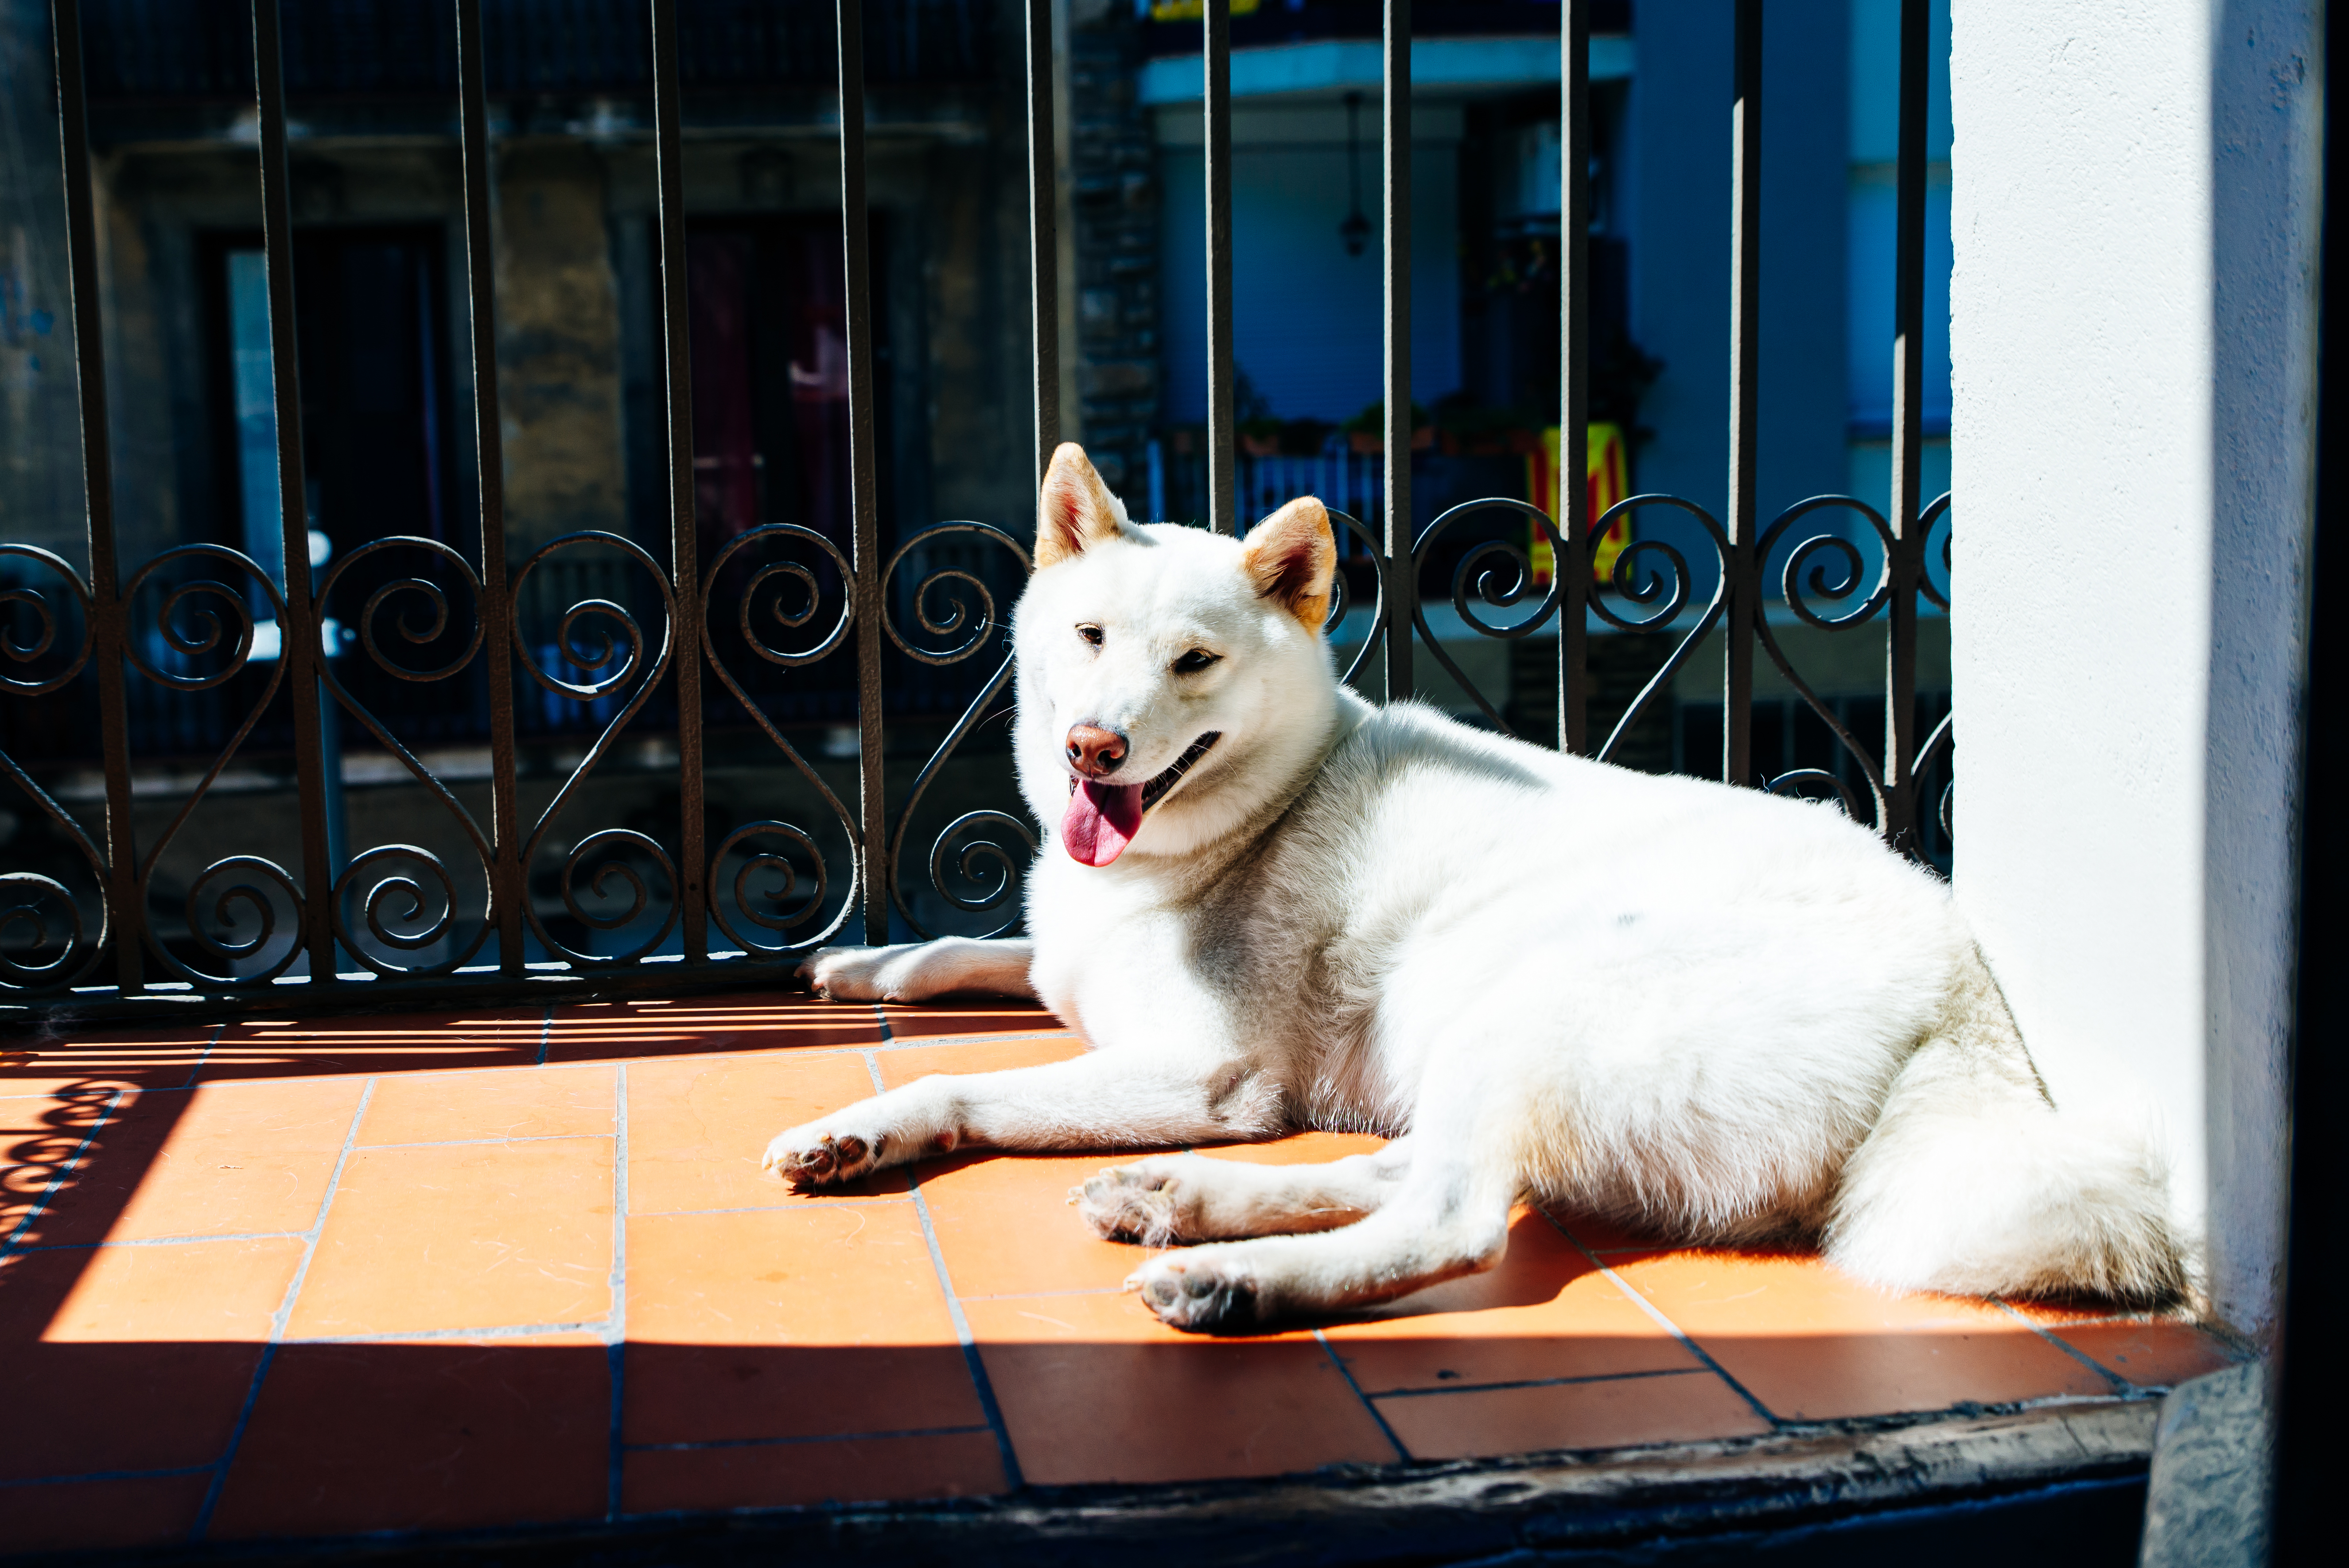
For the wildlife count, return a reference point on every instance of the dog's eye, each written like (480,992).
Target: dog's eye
(1091,634)
(1192,663)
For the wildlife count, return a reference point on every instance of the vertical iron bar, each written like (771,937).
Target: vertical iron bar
(1574,376)
(1043,243)
(683,530)
(1907,555)
(871,801)
(507,887)
(1743,598)
(108,613)
(1222,509)
(1394,131)
(297,642)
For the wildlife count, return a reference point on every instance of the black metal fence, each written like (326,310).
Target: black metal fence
(538,889)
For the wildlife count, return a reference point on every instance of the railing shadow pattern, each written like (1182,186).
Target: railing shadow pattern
(195,1293)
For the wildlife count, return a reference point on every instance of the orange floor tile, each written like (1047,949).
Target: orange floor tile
(331,1278)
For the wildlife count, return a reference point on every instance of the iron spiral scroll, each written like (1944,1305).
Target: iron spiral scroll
(1823,571)
(383,880)
(768,585)
(29,900)
(1650,574)
(982,864)
(616,660)
(194,620)
(1340,597)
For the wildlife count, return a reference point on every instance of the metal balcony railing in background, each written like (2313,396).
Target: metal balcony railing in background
(396,925)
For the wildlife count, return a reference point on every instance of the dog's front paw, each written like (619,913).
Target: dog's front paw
(1206,1292)
(1141,1202)
(844,974)
(809,1157)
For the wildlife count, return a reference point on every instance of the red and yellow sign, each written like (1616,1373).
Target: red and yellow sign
(1606,481)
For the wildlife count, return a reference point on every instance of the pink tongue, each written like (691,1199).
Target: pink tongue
(1102,821)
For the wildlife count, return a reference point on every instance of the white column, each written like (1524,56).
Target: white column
(2132,334)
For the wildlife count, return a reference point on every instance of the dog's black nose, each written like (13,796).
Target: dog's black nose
(1095,752)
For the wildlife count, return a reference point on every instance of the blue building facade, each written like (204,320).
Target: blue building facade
(1305,131)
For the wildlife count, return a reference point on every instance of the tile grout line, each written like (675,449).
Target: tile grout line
(807,1442)
(785,1207)
(466,1142)
(751,1052)
(9,1247)
(279,1319)
(2120,1386)
(1640,1299)
(218,1030)
(1536,1383)
(165,1241)
(616,1335)
(972,1361)
(105,1475)
(921,1042)
(1377,1415)
(595,1326)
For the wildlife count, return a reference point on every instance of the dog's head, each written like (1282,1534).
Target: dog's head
(1171,680)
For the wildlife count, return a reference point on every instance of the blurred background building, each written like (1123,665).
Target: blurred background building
(385,387)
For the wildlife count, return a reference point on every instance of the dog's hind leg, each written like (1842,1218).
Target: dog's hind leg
(1475,1125)
(1446,1220)
(919,971)
(1193,1198)
(1447,1214)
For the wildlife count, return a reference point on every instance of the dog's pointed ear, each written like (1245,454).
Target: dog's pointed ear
(1291,557)
(1076,510)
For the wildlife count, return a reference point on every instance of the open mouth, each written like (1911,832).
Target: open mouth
(1155,789)
(1103,816)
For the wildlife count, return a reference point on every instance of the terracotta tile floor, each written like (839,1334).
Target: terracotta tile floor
(445,1272)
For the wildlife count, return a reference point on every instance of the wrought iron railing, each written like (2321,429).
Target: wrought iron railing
(396,925)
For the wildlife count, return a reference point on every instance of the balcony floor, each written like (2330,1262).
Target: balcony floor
(462,1272)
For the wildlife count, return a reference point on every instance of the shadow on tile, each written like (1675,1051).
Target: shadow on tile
(975,1015)
(346,1438)
(619,1031)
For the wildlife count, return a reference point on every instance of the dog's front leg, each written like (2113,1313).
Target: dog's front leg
(921,971)
(1106,1099)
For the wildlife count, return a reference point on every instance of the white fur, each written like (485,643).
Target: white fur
(1713,1013)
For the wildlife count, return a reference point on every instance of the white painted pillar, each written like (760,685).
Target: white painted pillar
(2134,221)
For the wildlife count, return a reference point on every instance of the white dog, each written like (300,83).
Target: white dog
(1705,1011)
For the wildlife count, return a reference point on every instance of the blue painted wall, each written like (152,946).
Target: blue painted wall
(1305,315)
(1875,95)
(1674,207)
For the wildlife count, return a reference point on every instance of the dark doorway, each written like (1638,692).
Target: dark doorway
(767,299)
(769,320)
(378,461)
(371,318)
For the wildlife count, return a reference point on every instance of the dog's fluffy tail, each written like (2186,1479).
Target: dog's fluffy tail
(1972,1182)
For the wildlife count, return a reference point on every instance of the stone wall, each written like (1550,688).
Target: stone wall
(559,363)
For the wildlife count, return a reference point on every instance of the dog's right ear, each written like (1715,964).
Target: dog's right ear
(1076,511)
(1292,557)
